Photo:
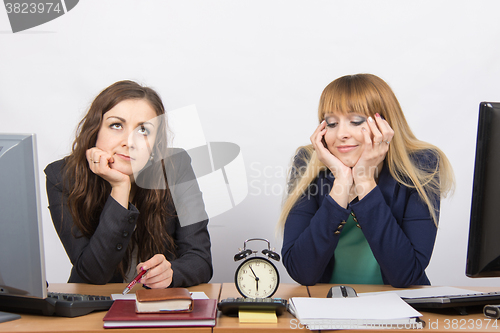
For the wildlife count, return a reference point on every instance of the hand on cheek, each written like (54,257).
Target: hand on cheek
(101,162)
(365,169)
(377,136)
(338,169)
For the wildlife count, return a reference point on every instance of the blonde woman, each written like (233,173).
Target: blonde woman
(363,202)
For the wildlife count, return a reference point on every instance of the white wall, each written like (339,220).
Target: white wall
(255,70)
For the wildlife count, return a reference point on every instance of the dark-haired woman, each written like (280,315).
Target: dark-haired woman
(111,227)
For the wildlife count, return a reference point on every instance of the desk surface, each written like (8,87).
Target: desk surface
(231,324)
(93,321)
(443,321)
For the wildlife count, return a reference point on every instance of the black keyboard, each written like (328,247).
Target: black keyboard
(58,304)
(231,306)
(454,301)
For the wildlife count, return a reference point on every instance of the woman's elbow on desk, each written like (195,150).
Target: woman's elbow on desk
(299,274)
(402,280)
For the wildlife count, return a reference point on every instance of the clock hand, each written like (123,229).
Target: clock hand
(253,272)
(256,278)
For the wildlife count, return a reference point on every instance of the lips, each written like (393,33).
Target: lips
(125,157)
(346,148)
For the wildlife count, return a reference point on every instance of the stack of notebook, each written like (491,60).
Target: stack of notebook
(169,311)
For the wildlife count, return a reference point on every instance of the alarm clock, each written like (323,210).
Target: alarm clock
(256,277)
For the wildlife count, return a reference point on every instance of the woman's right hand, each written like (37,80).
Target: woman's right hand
(99,163)
(159,273)
(343,174)
(338,169)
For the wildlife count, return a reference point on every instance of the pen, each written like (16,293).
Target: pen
(133,282)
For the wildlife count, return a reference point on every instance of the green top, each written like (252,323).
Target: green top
(354,260)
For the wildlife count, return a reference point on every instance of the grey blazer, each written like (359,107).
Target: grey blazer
(95,259)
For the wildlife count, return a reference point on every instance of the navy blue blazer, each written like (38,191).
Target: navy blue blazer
(396,223)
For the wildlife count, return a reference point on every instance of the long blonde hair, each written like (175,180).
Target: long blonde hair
(368,94)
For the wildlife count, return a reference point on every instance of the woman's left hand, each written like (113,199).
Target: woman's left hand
(159,273)
(377,138)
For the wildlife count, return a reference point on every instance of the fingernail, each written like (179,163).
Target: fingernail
(370,119)
(377,115)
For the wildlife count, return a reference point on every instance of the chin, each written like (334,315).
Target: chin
(126,170)
(348,162)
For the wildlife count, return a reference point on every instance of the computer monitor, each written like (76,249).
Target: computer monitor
(483,254)
(23,287)
(22,266)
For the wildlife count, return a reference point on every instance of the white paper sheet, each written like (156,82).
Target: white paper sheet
(379,307)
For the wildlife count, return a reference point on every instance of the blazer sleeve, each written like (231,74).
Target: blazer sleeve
(94,259)
(193,263)
(309,239)
(403,250)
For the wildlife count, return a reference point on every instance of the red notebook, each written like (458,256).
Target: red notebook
(122,314)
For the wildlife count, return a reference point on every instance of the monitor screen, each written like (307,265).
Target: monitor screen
(483,254)
(22,267)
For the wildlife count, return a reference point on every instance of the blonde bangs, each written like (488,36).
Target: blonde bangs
(352,94)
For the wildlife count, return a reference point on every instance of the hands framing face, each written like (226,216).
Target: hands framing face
(353,147)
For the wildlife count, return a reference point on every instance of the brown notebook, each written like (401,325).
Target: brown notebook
(163,300)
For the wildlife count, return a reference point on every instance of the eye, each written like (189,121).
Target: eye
(143,130)
(115,126)
(358,122)
(331,125)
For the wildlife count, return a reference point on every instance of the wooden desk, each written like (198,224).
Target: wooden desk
(446,320)
(285,321)
(442,321)
(93,321)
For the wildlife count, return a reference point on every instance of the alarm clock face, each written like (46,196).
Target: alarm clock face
(257,278)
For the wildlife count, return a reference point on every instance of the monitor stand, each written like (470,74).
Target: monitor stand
(5,316)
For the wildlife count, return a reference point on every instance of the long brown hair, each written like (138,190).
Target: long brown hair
(88,192)
(368,94)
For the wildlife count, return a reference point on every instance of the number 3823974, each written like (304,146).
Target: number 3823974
(470,324)
(32,8)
